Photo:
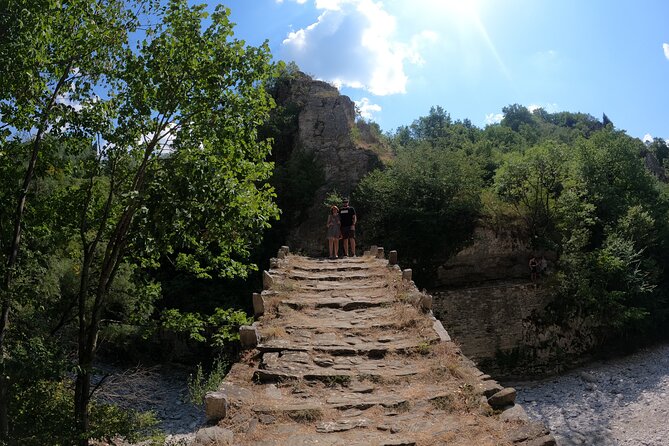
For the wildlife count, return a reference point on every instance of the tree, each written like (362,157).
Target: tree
(48,48)
(177,168)
(424,205)
(532,182)
(433,126)
(515,115)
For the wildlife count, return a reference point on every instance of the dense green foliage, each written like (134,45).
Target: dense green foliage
(566,183)
(425,190)
(124,148)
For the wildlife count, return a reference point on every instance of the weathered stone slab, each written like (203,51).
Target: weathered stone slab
(392,257)
(364,401)
(215,405)
(528,431)
(301,409)
(503,398)
(333,276)
(213,435)
(248,336)
(258,304)
(267,280)
(341,425)
(514,413)
(488,387)
(441,331)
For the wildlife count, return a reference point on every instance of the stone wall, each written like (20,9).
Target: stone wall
(489,319)
(486,300)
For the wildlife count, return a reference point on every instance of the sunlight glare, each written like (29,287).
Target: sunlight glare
(467,13)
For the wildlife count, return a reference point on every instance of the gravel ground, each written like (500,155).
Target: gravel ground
(621,401)
(162,390)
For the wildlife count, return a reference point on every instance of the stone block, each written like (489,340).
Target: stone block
(285,249)
(267,280)
(213,435)
(503,398)
(273,263)
(248,336)
(426,302)
(380,253)
(441,331)
(489,387)
(406,274)
(514,413)
(372,249)
(258,304)
(367,253)
(216,405)
(392,257)
(236,396)
(281,255)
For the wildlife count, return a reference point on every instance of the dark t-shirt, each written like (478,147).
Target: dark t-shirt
(346,215)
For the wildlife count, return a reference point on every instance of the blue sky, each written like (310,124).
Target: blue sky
(397,58)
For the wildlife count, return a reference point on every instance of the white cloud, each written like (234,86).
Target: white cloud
(494,118)
(366,108)
(665,47)
(648,137)
(548,107)
(353,43)
(165,140)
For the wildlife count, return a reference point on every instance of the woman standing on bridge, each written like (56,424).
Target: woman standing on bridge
(334,232)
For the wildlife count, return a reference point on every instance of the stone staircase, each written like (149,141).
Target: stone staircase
(347,352)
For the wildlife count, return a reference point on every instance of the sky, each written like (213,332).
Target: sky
(398,58)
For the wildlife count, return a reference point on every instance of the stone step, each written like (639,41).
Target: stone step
(368,438)
(337,275)
(327,266)
(342,317)
(331,369)
(347,343)
(316,285)
(343,303)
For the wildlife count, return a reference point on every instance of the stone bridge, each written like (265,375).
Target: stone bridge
(347,352)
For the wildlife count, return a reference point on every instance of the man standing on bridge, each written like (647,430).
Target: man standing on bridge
(348,221)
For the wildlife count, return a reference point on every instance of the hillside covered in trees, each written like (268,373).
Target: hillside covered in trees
(139,172)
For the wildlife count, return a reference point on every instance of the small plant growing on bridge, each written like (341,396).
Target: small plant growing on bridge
(443,402)
(423,348)
(305,415)
(201,382)
(335,380)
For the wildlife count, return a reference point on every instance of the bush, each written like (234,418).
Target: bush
(425,205)
(201,382)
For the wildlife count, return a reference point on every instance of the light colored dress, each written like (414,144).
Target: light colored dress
(334,226)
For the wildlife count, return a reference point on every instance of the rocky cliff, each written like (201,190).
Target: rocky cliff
(335,153)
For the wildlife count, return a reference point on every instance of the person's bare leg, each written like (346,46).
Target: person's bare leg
(336,246)
(345,241)
(331,247)
(352,247)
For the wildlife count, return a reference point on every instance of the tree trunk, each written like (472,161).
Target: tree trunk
(81,399)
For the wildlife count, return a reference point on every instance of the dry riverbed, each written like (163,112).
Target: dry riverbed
(620,402)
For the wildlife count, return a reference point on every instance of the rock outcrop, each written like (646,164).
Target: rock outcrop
(327,133)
